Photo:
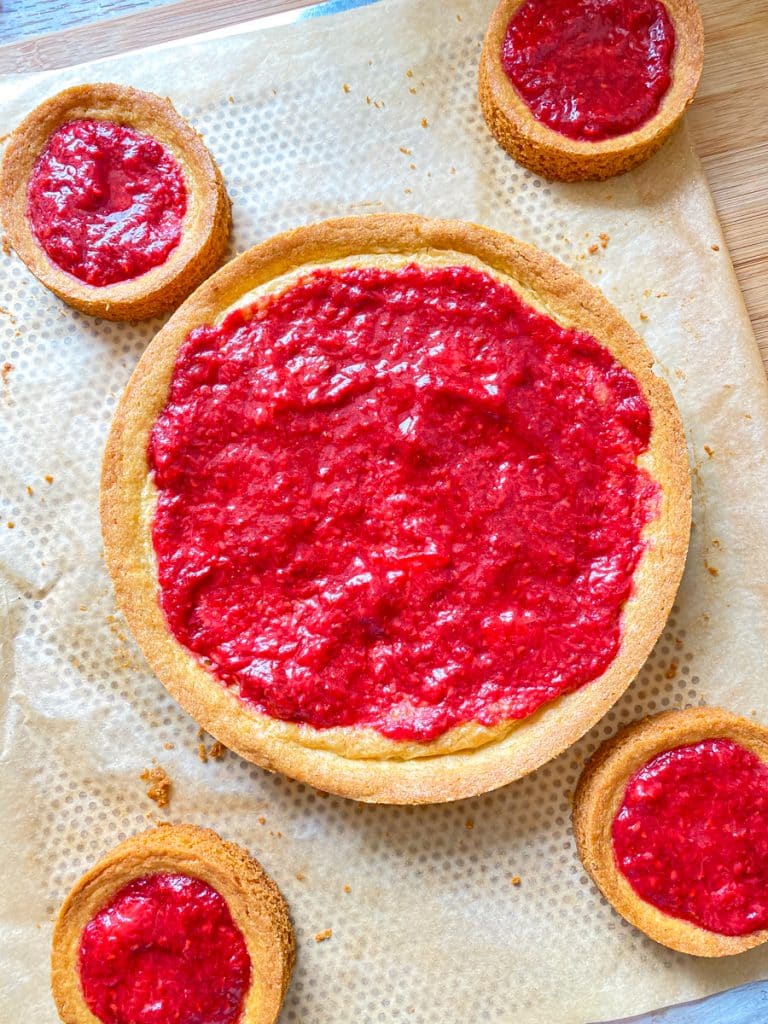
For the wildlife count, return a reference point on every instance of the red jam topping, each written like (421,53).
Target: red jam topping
(105,202)
(590,69)
(401,499)
(691,836)
(165,951)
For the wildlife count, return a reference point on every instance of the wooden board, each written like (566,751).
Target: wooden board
(729,117)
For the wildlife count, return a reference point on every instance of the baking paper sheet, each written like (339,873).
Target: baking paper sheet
(374,109)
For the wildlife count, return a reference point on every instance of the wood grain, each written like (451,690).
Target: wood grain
(729,118)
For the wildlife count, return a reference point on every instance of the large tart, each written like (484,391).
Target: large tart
(396,506)
(113,201)
(173,926)
(577,89)
(671,821)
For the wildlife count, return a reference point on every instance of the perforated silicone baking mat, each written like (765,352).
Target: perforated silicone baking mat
(373,109)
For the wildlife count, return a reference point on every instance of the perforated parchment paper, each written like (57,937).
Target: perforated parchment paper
(373,109)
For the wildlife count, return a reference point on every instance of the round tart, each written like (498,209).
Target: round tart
(173,925)
(576,89)
(397,507)
(671,822)
(113,201)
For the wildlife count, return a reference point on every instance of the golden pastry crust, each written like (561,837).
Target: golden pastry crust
(599,795)
(356,761)
(205,229)
(254,900)
(547,152)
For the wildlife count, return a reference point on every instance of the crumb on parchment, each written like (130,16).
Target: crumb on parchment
(515,880)
(322,936)
(469,824)
(347,888)
(345,87)
(158,783)
(300,876)
(710,451)
(424,123)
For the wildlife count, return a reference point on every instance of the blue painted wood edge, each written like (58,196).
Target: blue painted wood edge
(747,1004)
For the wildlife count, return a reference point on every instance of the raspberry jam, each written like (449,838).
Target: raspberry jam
(590,69)
(106,203)
(691,836)
(401,499)
(165,950)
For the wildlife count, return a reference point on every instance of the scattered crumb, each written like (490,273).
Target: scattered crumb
(378,104)
(6,371)
(662,295)
(643,316)
(716,544)
(412,90)
(347,888)
(593,249)
(604,239)
(405,150)
(424,123)
(710,451)
(409,73)
(458,17)
(231,99)
(262,820)
(10,524)
(407,191)
(202,753)
(6,245)
(169,746)
(300,877)
(158,784)
(469,824)
(216,750)
(345,87)
(515,880)
(451,170)
(671,672)
(8,313)
(322,936)
(274,92)
(715,248)
(412,166)
(48,478)
(30,492)
(713,571)
(368,100)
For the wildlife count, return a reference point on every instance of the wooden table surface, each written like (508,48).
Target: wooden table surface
(729,118)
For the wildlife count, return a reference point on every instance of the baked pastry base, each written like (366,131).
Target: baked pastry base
(599,795)
(205,229)
(355,761)
(553,155)
(255,903)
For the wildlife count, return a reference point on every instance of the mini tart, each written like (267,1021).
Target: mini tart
(205,226)
(255,904)
(358,761)
(600,794)
(555,156)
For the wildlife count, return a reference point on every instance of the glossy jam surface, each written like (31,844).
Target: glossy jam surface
(165,951)
(590,69)
(105,202)
(399,498)
(691,836)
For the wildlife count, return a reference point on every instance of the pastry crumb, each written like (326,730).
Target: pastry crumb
(424,123)
(169,746)
(10,524)
(715,248)
(347,888)
(322,936)
(412,90)
(262,820)
(6,243)
(643,316)
(30,492)
(604,239)
(710,451)
(368,100)
(469,824)
(202,753)
(231,99)
(158,784)
(8,313)
(515,880)
(300,876)
(671,672)
(409,73)
(458,17)
(48,478)
(405,150)
(6,371)
(713,571)
(345,87)
(593,249)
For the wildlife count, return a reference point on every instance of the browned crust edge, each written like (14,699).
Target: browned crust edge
(599,795)
(432,776)
(254,900)
(205,230)
(555,156)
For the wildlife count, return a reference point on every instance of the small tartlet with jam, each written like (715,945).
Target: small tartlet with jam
(671,822)
(397,507)
(113,201)
(585,89)
(175,925)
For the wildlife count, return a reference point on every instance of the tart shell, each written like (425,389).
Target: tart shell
(254,901)
(206,224)
(555,156)
(599,795)
(359,762)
